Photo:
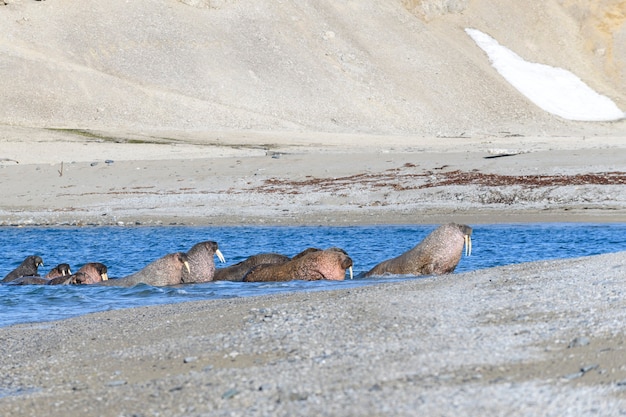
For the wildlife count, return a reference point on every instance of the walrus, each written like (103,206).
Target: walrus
(237,271)
(439,253)
(330,264)
(201,262)
(167,270)
(90,273)
(28,268)
(61,270)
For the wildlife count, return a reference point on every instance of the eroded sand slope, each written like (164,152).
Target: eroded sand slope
(395,67)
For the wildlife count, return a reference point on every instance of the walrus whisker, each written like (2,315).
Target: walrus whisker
(219,255)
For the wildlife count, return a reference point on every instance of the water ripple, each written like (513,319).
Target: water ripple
(126,250)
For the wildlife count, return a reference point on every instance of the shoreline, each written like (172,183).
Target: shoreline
(599,217)
(404,180)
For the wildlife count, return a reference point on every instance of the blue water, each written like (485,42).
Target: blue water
(127,249)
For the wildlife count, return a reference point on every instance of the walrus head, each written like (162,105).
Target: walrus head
(102,270)
(91,273)
(60,270)
(347,262)
(38,261)
(64,269)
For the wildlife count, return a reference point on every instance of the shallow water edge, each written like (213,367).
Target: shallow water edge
(127,249)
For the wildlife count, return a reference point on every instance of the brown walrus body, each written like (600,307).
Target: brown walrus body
(61,270)
(201,262)
(90,273)
(330,264)
(28,268)
(439,253)
(237,271)
(167,270)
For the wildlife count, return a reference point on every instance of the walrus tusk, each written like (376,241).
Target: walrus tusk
(105,277)
(187,266)
(350,272)
(468,245)
(220,256)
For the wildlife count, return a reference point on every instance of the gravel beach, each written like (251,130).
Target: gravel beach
(542,338)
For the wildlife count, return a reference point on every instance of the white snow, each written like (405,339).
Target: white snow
(555,90)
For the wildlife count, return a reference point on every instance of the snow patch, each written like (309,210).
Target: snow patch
(553,89)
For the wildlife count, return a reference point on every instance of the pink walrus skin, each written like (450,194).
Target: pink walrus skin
(311,265)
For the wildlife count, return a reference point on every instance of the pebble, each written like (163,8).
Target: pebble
(579,341)
(230,394)
(588,368)
(116,383)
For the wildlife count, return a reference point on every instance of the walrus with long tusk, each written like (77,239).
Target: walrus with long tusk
(237,271)
(439,253)
(60,270)
(201,262)
(90,273)
(167,270)
(310,265)
(28,268)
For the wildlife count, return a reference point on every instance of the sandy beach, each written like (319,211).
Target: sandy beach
(283,178)
(231,112)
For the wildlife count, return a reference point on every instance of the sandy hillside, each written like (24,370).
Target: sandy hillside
(394,67)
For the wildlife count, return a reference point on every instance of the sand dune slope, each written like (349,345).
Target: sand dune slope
(392,67)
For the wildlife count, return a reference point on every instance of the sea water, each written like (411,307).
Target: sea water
(127,249)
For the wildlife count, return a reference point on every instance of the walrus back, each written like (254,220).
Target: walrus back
(237,272)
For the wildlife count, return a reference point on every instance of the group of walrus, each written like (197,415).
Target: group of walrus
(439,253)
